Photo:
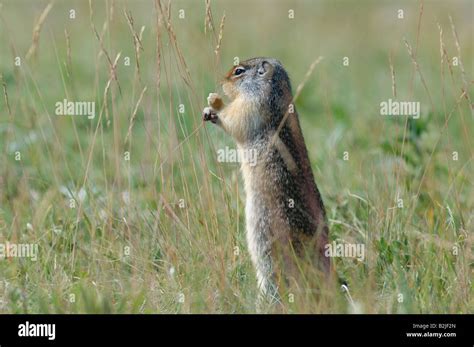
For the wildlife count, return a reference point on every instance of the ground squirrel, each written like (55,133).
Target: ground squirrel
(285,216)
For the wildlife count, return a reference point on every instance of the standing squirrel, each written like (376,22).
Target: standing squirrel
(285,215)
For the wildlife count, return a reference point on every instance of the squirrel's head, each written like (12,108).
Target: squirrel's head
(263,81)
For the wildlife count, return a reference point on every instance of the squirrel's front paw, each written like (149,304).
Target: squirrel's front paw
(209,114)
(215,101)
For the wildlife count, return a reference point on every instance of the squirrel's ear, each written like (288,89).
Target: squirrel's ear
(264,68)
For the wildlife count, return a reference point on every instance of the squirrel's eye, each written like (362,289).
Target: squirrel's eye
(239,71)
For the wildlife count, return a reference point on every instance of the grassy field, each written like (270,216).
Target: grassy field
(131,211)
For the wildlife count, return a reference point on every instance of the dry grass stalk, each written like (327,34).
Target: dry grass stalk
(37,31)
(461,65)
(68,54)
(5,95)
(135,111)
(297,93)
(103,50)
(417,67)
(392,74)
(219,40)
(137,40)
(208,21)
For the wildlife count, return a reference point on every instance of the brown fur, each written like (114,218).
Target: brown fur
(260,94)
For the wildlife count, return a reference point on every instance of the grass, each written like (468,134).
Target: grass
(131,211)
